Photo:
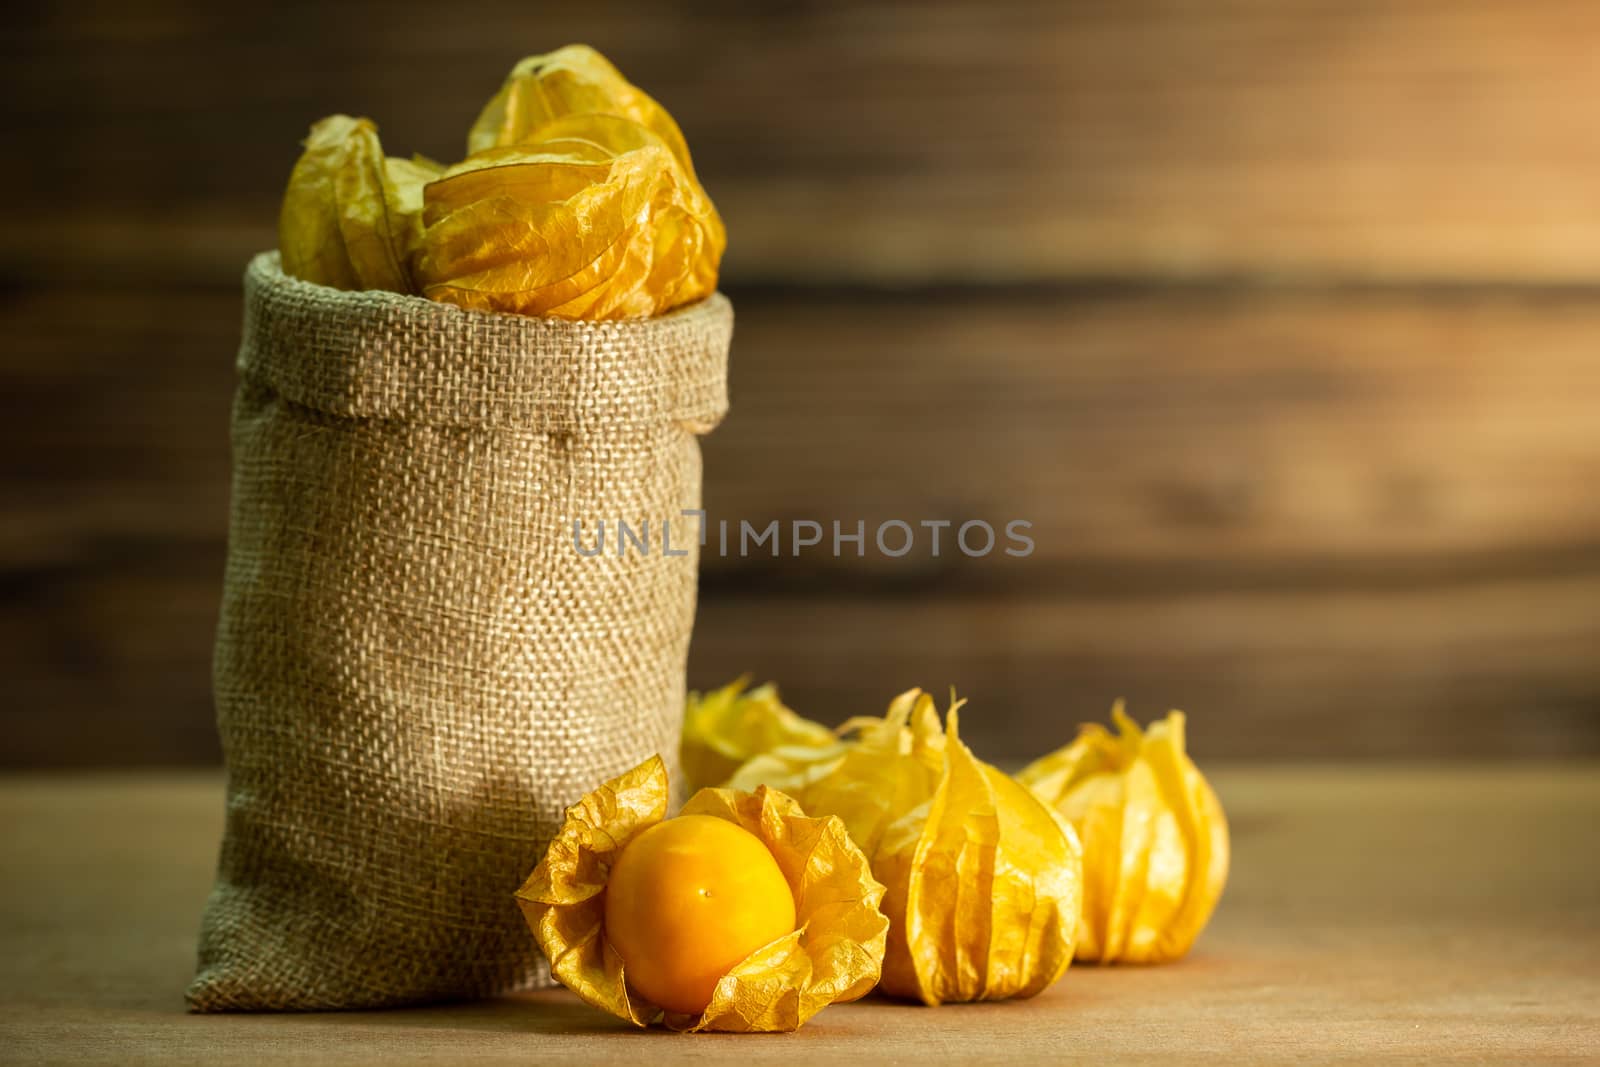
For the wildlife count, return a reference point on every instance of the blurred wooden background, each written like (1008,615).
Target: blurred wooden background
(1279,320)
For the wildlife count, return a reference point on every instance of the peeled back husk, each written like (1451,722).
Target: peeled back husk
(834,954)
(1155,838)
(836,951)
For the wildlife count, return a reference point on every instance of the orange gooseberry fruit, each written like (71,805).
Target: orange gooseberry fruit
(687,901)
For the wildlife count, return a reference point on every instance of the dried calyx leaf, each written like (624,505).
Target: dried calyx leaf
(590,216)
(351,218)
(577,200)
(1154,835)
(574,80)
(835,952)
(564,898)
(984,886)
(726,727)
(983,880)
(892,766)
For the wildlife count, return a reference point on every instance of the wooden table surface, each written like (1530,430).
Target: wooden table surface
(1373,913)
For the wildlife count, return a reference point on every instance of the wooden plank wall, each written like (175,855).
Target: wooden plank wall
(1280,321)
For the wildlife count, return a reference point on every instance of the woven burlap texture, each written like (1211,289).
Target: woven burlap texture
(416,670)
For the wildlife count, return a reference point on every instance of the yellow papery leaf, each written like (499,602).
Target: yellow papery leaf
(351,219)
(728,726)
(516,174)
(563,899)
(984,887)
(1154,835)
(893,766)
(834,953)
(983,881)
(564,238)
(573,101)
(407,180)
(571,80)
(791,769)
(577,200)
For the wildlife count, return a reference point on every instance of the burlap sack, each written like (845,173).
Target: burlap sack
(416,669)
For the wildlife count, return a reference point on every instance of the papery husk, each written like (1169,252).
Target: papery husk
(892,766)
(564,901)
(1155,838)
(578,199)
(559,233)
(727,727)
(835,952)
(351,218)
(574,79)
(790,769)
(983,881)
(984,887)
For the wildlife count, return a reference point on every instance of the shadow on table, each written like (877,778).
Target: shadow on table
(546,1012)
(557,1012)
